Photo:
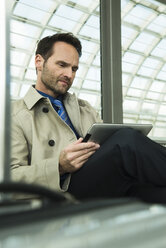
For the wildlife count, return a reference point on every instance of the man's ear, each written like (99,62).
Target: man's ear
(39,62)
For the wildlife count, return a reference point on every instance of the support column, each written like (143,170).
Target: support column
(4,91)
(111,73)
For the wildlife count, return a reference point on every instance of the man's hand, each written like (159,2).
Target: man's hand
(75,155)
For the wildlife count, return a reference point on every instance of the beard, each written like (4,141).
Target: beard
(55,87)
(53,83)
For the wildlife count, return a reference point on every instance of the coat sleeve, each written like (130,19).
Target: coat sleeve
(44,172)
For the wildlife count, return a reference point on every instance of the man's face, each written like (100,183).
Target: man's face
(58,72)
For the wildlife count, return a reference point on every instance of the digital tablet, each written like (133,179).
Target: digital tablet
(99,132)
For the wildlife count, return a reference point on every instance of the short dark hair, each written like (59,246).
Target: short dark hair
(45,45)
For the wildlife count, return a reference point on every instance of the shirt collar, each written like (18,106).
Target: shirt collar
(60,98)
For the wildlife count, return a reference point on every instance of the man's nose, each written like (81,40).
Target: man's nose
(68,72)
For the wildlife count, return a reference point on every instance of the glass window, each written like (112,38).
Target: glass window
(157,86)
(138,15)
(22,42)
(131,58)
(25,29)
(140,83)
(91,98)
(143,50)
(90,32)
(93,74)
(159,50)
(130,105)
(143,42)
(65,17)
(84,3)
(134,92)
(24,89)
(28,12)
(152,95)
(61,23)
(162,110)
(143,61)
(96,60)
(44,5)
(158,25)
(16,72)
(30,74)
(91,85)
(19,58)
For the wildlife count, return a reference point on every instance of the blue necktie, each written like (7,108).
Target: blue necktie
(61,111)
(58,105)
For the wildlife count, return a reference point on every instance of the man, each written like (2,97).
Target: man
(39,134)
(47,129)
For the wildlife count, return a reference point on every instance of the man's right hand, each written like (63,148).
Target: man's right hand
(75,155)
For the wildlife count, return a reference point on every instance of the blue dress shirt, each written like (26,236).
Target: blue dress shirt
(60,98)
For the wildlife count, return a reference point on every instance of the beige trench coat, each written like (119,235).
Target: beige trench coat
(34,124)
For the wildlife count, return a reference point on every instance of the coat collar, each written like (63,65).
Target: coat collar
(32,97)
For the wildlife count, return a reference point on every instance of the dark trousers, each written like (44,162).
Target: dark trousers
(127,164)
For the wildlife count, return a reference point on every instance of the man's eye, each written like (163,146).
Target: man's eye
(74,69)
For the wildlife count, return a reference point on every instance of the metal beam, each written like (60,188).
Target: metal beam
(110,38)
(4,91)
(162,1)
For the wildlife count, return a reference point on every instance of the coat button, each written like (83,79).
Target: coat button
(51,142)
(45,110)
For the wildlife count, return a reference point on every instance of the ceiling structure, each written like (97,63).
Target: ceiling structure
(143,52)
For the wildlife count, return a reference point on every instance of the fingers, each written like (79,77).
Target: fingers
(83,157)
(78,162)
(72,154)
(79,145)
(83,153)
(78,141)
(75,155)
